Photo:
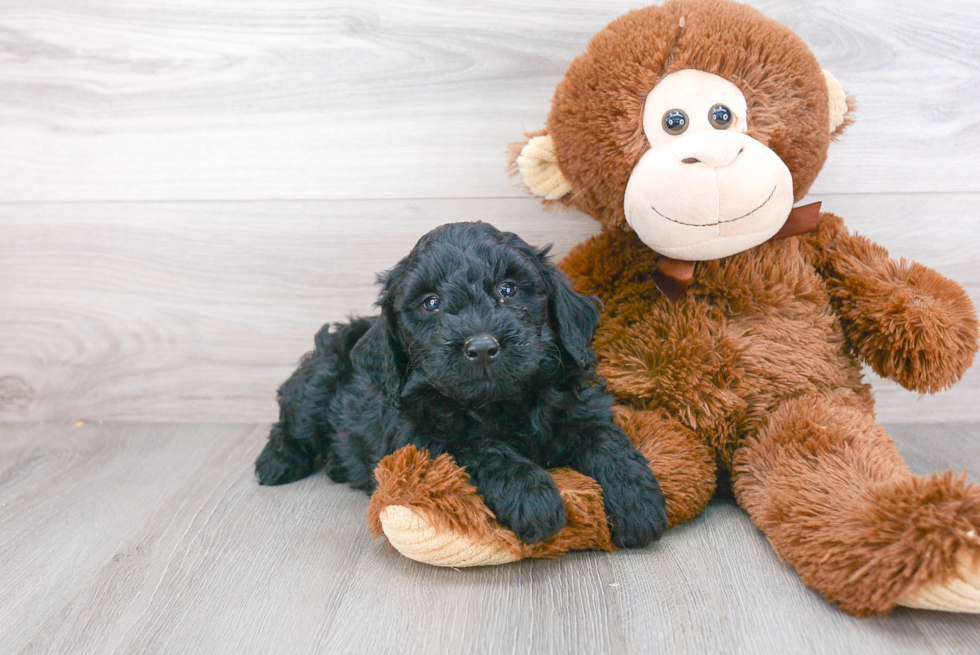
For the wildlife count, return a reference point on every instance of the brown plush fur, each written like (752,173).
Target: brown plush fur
(837,502)
(596,114)
(756,371)
(907,321)
(437,488)
(758,334)
(442,492)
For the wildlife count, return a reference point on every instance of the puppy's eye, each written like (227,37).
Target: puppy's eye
(675,121)
(720,117)
(507,289)
(431,304)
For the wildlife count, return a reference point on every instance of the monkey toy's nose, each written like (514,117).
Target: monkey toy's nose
(481,350)
(716,149)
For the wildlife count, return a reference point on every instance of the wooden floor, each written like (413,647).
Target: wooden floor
(156,538)
(189,190)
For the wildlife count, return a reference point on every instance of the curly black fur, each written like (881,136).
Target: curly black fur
(374,385)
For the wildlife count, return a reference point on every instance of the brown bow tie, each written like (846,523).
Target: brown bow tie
(673,276)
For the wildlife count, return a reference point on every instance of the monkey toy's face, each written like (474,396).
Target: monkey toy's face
(704,189)
(696,124)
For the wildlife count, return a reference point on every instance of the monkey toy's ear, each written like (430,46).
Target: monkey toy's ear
(574,316)
(538,167)
(840,105)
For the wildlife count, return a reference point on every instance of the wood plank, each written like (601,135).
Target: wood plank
(71,497)
(938,447)
(224,566)
(715,586)
(193,305)
(561,606)
(227,566)
(198,311)
(315,99)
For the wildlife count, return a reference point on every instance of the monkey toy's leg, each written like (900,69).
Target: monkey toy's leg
(684,466)
(835,499)
(430,512)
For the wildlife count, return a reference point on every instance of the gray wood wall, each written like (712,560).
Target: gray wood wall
(189,189)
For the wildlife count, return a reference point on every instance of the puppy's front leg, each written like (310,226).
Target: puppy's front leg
(522,494)
(630,492)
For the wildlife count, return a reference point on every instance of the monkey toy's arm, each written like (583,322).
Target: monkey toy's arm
(905,320)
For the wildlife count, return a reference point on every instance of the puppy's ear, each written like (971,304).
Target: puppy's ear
(574,316)
(378,352)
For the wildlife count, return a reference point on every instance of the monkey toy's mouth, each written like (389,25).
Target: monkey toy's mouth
(720,221)
(698,212)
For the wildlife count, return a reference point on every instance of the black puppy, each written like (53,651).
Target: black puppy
(481,351)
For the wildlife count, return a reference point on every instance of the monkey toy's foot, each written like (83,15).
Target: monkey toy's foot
(836,500)
(431,513)
(960,592)
(412,535)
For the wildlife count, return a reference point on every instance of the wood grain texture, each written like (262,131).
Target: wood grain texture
(225,566)
(71,497)
(198,311)
(317,99)
(217,564)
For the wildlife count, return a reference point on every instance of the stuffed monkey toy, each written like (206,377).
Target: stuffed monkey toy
(734,325)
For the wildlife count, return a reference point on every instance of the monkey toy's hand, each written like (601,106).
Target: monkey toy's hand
(908,322)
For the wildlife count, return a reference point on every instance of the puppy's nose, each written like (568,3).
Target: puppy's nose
(481,350)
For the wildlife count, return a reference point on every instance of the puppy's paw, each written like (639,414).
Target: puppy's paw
(532,508)
(635,510)
(279,464)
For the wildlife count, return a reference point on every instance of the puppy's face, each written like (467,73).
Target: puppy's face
(472,313)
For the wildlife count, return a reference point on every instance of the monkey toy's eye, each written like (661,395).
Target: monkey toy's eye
(675,121)
(506,290)
(720,117)
(431,304)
